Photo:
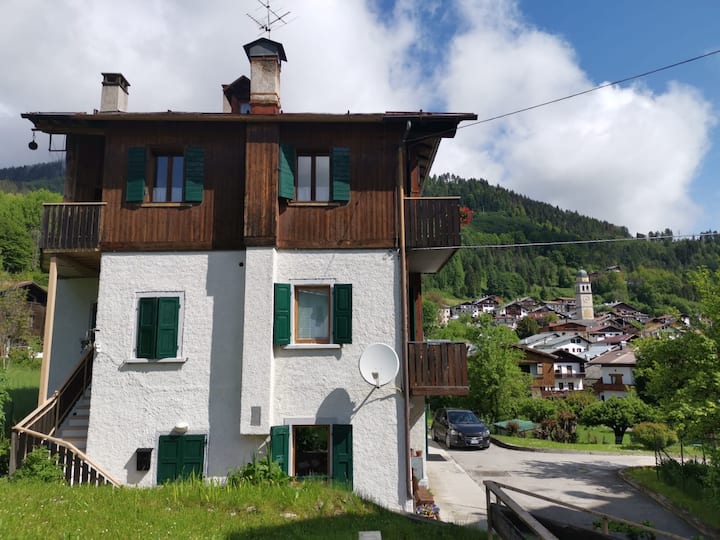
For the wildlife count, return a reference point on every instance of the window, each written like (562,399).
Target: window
(571,386)
(312,314)
(169,176)
(158,327)
(168,186)
(314,176)
(314,450)
(561,386)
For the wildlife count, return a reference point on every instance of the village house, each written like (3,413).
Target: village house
(234,269)
(612,372)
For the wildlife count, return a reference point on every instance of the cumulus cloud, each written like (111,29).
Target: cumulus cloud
(627,155)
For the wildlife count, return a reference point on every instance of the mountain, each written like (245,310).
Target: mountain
(651,272)
(49,175)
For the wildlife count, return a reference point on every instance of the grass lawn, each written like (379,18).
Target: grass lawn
(701,508)
(195,510)
(22,385)
(598,439)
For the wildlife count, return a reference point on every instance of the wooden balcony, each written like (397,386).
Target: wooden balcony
(432,232)
(71,232)
(438,369)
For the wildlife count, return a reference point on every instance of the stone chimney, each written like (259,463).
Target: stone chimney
(265,57)
(114,96)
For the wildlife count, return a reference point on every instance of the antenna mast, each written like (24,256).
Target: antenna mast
(271,18)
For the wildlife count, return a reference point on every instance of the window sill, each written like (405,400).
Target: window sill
(166,205)
(154,361)
(301,346)
(316,203)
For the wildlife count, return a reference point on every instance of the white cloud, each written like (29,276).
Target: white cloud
(625,155)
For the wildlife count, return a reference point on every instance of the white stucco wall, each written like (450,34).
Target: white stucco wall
(627,374)
(229,364)
(73,312)
(132,404)
(325,384)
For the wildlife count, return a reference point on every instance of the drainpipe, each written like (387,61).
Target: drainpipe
(402,172)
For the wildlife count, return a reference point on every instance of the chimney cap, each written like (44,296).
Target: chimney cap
(265,47)
(115,79)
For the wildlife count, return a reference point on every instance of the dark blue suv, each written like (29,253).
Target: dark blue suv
(459,427)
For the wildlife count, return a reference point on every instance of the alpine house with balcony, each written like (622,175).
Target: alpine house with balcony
(216,277)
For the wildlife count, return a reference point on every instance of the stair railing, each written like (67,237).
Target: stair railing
(40,426)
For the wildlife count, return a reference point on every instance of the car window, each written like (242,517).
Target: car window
(462,417)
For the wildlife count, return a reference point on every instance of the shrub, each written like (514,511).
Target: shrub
(562,428)
(512,428)
(263,471)
(537,410)
(39,465)
(653,435)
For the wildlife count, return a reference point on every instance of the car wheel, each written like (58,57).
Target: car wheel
(447,441)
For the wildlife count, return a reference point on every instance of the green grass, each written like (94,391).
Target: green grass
(700,508)
(22,384)
(597,439)
(196,510)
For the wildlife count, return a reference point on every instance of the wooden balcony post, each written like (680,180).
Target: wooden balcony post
(47,336)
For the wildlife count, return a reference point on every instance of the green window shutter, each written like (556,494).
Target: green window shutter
(180,456)
(135,189)
(194,173)
(342,313)
(342,459)
(280,445)
(193,456)
(281,319)
(341,173)
(168,464)
(286,176)
(167,326)
(147,326)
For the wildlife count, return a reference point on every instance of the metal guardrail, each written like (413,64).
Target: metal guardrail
(498,527)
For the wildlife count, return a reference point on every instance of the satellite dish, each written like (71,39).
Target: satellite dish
(379,364)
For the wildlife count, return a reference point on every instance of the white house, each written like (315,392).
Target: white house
(233,269)
(613,372)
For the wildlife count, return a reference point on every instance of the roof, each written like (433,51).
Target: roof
(616,357)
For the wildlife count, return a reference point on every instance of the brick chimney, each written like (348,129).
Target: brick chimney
(265,57)
(114,96)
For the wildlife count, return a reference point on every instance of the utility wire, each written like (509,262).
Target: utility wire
(570,242)
(571,96)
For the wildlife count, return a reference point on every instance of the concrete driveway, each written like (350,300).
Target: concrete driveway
(589,481)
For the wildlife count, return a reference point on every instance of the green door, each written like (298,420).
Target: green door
(342,460)
(180,456)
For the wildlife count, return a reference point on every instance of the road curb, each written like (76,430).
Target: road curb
(704,528)
(508,446)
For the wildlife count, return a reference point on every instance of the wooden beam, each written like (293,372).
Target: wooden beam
(47,337)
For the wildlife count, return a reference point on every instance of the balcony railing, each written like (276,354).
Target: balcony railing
(71,226)
(432,232)
(438,369)
(432,222)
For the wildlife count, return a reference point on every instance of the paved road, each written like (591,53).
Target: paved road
(589,481)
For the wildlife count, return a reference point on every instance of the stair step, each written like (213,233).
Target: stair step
(73,432)
(78,421)
(78,442)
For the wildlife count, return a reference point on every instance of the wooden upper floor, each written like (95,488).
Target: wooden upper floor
(191,181)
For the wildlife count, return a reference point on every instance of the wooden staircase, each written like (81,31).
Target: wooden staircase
(60,426)
(75,427)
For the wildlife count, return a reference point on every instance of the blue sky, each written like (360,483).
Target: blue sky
(645,155)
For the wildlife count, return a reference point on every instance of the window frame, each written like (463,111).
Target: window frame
(143,167)
(178,357)
(313,156)
(286,316)
(296,291)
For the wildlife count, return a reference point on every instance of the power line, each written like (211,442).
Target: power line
(571,96)
(571,242)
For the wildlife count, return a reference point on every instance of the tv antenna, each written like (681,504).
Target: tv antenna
(271,18)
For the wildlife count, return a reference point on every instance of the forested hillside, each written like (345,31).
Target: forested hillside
(653,270)
(49,175)
(23,190)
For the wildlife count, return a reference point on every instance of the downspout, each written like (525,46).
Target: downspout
(402,171)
